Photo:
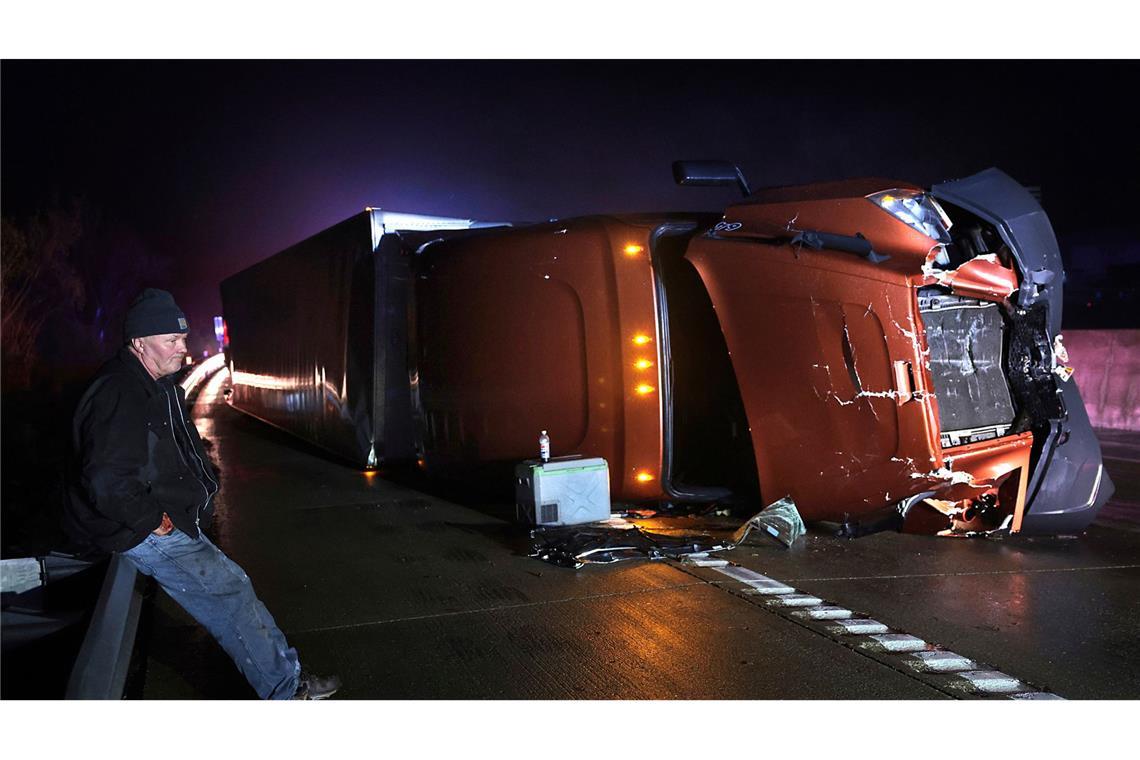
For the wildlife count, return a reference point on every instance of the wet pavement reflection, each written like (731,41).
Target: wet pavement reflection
(409,595)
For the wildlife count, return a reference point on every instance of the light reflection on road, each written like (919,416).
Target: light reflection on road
(202,413)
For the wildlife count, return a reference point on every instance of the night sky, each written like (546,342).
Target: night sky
(218,164)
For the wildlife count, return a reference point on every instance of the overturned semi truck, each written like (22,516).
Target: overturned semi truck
(884,354)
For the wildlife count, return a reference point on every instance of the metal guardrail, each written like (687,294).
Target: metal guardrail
(100,670)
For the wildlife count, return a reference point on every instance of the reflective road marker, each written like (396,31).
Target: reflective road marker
(898,642)
(943,662)
(824,612)
(858,625)
(795,600)
(871,635)
(992,681)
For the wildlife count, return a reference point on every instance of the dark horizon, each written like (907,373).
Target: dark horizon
(210,166)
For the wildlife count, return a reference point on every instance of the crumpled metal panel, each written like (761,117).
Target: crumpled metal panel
(815,338)
(1069,485)
(998,198)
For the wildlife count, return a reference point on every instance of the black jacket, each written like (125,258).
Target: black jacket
(136,455)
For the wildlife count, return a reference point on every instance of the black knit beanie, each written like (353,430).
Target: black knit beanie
(154,313)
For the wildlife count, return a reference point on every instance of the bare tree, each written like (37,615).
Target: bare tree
(68,277)
(37,278)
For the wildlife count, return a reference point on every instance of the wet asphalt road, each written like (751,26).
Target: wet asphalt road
(407,595)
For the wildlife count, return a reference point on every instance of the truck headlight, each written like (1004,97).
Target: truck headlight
(916,209)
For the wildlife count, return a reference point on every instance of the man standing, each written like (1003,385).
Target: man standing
(144,488)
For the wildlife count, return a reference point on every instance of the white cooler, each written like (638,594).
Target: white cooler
(563,491)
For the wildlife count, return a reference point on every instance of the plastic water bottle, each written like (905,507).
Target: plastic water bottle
(544,447)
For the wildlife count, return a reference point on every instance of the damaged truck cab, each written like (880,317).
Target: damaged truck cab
(881,353)
(897,354)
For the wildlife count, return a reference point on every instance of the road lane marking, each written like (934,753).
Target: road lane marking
(893,648)
(499,608)
(959,574)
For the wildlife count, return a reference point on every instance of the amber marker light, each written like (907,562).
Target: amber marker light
(641,339)
(633,249)
(645,388)
(643,364)
(643,477)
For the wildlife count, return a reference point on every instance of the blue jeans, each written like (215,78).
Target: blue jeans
(218,594)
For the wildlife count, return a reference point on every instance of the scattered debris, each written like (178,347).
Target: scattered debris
(637,514)
(945,473)
(960,529)
(704,560)
(891,517)
(605,543)
(617,521)
(948,508)
(683,509)
(780,520)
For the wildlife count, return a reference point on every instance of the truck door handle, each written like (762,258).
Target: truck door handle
(904,381)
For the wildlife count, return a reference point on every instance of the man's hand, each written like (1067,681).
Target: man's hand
(165,526)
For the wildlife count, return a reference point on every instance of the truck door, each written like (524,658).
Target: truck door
(827,354)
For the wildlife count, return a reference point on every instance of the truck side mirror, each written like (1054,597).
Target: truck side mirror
(710,173)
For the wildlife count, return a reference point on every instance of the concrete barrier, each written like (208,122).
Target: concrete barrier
(1107,364)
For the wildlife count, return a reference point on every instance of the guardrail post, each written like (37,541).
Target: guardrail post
(100,670)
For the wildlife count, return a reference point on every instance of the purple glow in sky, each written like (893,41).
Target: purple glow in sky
(219,164)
